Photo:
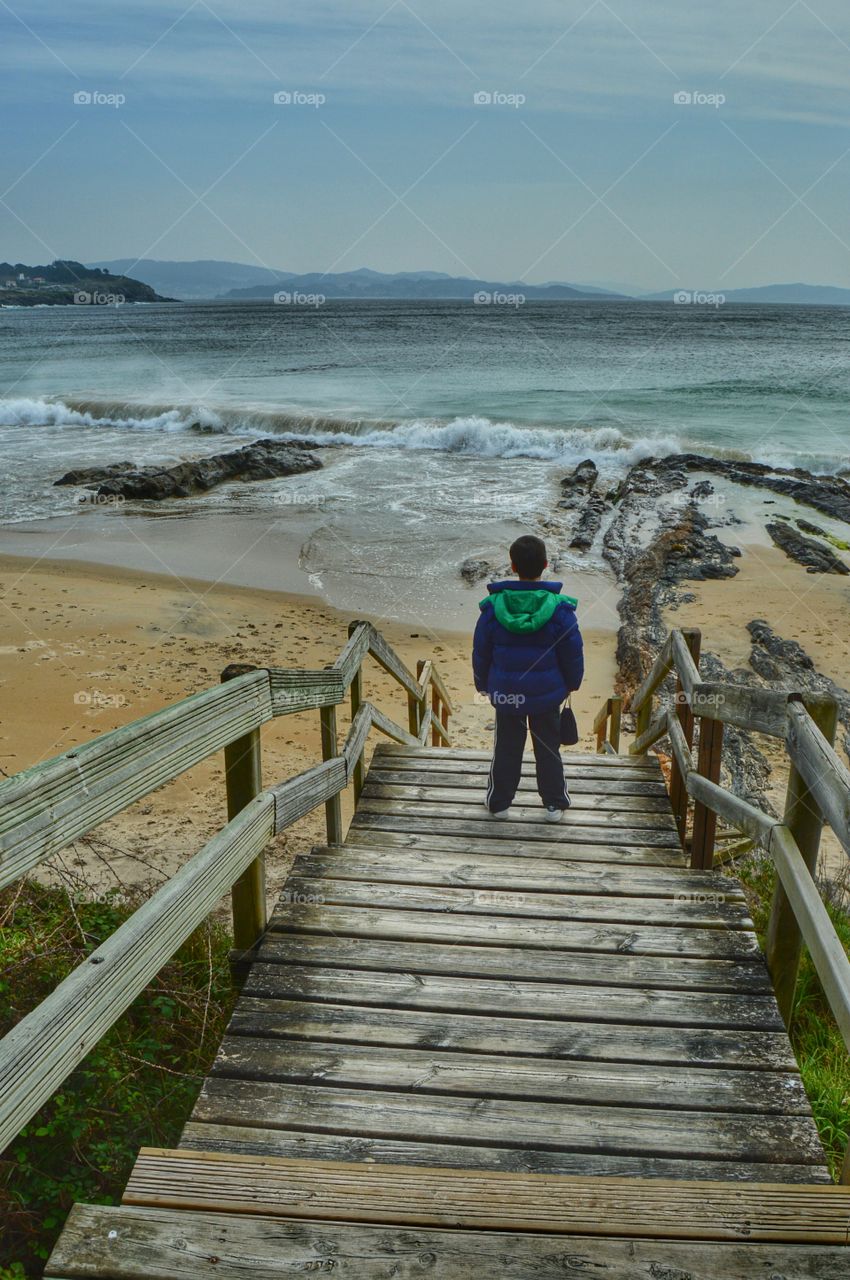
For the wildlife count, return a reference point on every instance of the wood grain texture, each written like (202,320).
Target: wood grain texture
(506,1076)
(631,938)
(655,1208)
(312,1145)
(165,1244)
(434,867)
(547,964)
(519,1123)
(521,1034)
(490,995)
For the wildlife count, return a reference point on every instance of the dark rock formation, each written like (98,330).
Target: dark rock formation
(90,477)
(814,556)
(827,494)
(262,460)
(473,570)
(576,487)
(590,518)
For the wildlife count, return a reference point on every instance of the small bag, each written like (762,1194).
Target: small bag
(569,729)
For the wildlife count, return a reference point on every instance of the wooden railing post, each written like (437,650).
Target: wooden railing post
(804,819)
(333,808)
(356,700)
(705,820)
(615,706)
(244,780)
(413,714)
(678,790)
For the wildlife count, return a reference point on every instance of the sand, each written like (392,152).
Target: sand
(85,648)
(813,609)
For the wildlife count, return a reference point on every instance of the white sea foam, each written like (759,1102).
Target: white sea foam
(472,436)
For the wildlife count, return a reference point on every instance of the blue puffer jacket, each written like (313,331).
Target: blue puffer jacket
(527,652)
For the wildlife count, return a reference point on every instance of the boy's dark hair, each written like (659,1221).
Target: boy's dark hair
(528,556)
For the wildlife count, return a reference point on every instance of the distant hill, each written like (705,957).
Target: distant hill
(206,278)
(804,295)
(212,279)
(65,281)
(413,285)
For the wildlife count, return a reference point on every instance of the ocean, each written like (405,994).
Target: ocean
(453,421)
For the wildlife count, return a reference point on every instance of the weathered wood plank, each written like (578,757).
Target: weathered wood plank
(572,828)
(45,1046)
(311,1145)
(106,1241)
(679,974)
(476,782)
(698,1134)
(465,755)
(686,911)
(293,691)
(526,797)
(503,931)
(511,842)
(651,1209)
(483,1075)
(46,807)
(523,1035)
(542,875)
(493,995)
(474,811)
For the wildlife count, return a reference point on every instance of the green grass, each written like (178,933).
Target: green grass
(821,1052)
(136,1088)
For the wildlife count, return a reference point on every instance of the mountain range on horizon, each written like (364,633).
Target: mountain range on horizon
(211,279)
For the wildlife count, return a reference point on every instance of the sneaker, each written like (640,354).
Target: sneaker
(553,813)
(501,816)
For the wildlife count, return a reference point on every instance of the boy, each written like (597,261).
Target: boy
(527,656)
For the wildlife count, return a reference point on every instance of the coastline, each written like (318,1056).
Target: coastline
(88,647)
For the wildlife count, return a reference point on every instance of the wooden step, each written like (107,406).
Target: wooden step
(489,871)
(126,1242)
(639,1208)
(527,964)
(499,838)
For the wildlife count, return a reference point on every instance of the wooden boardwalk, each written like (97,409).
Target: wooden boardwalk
(479,1048)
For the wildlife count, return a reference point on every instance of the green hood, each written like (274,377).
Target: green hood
(523,611)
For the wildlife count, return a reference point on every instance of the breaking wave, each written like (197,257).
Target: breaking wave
(469,436)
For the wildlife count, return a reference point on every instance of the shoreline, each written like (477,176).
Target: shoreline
(88,647)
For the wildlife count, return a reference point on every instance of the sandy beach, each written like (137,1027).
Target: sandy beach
(85,648)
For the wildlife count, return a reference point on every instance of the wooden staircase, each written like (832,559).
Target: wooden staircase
(470,1048)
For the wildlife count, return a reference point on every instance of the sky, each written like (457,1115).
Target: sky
(636,143)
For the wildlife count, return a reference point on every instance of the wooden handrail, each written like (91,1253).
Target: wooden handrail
(44,808)
(818,792)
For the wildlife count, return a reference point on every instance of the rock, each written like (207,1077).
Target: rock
(784,664)
(813,555)
(91,476)
(262,460)
(828,494)
(473,570)
(579,484)
(589,521)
